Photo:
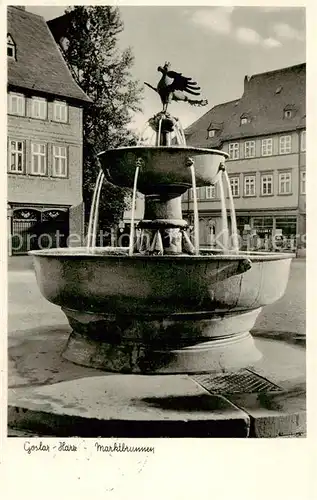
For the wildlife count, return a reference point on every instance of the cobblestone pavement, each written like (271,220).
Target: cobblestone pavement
(289,313)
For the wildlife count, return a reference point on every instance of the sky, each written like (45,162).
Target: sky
(216,46)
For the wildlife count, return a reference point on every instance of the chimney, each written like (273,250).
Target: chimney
(246,81)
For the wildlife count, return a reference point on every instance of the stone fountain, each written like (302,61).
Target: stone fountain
(160,342)
(162,306)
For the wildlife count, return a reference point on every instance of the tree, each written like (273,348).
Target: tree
(102,70)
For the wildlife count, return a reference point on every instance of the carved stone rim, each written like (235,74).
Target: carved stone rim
(168,149)
(122,252)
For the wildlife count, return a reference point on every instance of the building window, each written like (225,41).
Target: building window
(267,147)
(235,186)
(249,185)
(234,151)
(11,48)
(249,149)
(191,194)
(59,161)
(266,185)
(285,144)
(39,159)
(303,182)
(244,119)
(210,192)
(285,183)
(39,108)
(16,104)
(16,157)
(60,111)
(287,113)
(303,141)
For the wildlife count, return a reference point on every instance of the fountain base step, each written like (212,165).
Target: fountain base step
(49,396)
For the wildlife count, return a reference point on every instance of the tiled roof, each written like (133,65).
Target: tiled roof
(39,65)
(197,132)
(264,100)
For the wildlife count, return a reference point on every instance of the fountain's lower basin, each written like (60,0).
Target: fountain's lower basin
(160,314)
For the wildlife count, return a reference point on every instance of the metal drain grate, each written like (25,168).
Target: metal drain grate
(243,382)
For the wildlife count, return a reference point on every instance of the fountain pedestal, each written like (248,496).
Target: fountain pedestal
(163,227)
(181,343)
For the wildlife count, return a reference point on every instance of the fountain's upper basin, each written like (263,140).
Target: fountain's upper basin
(108,281)
(161,166)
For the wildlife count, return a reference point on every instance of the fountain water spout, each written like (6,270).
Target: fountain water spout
(234,243)
(94,212)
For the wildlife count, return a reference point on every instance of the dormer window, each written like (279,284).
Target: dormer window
(214,128)
(11,48)
(289,111)
(244,119)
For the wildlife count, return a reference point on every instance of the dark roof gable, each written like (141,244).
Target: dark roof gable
(264,100)
(39,65)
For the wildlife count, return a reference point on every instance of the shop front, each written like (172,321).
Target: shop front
(37,227)
(271,232)
(263,232)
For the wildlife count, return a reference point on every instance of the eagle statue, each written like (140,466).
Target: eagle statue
(172,87)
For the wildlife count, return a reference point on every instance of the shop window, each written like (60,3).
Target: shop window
(286,226)
(243,224)
(263,225)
